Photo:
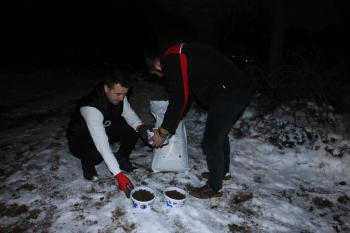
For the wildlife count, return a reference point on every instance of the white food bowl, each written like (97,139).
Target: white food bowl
(174,203)
(143,205)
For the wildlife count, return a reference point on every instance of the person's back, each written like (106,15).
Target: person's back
(209,72)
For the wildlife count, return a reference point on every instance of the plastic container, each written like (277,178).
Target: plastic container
(142,205)
(175,203)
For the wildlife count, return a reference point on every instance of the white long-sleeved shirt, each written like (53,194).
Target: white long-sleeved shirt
(94,120)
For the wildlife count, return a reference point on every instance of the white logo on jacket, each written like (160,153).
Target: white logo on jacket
(107,123)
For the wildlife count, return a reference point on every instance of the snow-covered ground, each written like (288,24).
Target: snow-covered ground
(276,187)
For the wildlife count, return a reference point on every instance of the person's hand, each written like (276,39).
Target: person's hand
(143,132)
(124,184)
(158,141)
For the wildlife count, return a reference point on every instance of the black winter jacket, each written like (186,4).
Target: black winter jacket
(209,73)
(96,98)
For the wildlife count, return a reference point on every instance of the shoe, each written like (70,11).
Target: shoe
(89,172)
(206,193)
(124,163)
(226,180)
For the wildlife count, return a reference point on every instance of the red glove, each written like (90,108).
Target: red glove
(124,184)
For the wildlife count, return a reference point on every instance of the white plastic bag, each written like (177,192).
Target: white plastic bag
(174,156)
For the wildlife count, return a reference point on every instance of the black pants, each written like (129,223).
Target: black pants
(222,114)
(84,148)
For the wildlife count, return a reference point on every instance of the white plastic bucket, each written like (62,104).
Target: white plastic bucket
(142,205)
(174,203)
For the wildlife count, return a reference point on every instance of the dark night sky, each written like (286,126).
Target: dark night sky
(45,31)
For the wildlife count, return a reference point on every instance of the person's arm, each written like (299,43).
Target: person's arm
(178,93)
(94,121)
(130,116)
(178,99)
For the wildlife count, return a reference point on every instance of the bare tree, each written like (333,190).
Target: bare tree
(311,15)
(205,16)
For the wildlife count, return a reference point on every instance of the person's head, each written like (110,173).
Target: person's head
(116,86)
(152,61)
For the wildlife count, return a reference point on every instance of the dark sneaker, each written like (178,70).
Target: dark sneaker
(89,172)
(226,180)
(124,163)
(206,193)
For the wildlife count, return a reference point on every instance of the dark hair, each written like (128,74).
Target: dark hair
(151,57)
(118,77)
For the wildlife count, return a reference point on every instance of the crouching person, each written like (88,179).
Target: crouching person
(102,117)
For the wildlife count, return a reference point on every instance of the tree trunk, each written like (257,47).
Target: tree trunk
(277,37)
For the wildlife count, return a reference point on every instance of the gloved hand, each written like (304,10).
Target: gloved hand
(143,132)
(124,184)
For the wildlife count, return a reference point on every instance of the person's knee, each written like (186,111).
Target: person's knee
(132,134)
(208,142)
(96,160)
(91,160)
(74,149)
(206,147)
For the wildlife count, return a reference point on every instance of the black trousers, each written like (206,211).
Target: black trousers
(84,148)
(222,114)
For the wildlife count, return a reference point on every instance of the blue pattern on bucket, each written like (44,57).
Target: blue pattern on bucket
(174,204)
(168,204)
